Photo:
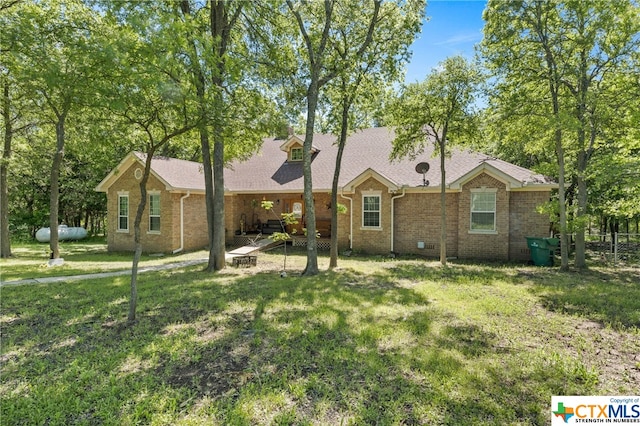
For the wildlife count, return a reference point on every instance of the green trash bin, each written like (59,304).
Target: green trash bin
(542,250)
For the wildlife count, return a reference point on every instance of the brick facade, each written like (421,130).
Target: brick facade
(196,235)
(479,245)
(526,222)
(416,218)
(371,240)
(168,238)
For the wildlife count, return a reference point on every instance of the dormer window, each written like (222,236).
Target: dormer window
(293,148)
(296,154)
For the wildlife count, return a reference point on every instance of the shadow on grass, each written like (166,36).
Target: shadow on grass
(609,297)
(246,349)
(460,272)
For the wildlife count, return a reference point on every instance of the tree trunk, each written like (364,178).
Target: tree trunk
(562,206)
(218,243)
(5,242)
(443,203)
(205,147)
(133,296)
(581,214)
(342,141)
(564,240)
(208,189)
(133,300)
(310,216)
(553,80)
(582,159)
(220,26)
(54,198)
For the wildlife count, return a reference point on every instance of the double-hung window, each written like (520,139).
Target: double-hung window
(371,210)
(296,154)
(154,212)
(123,212)
(483,210)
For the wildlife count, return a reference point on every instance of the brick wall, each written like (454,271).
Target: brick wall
(230,214)
(525,221)
(196,234)
(151,242)
(484,245)
(417,218)
(344,221)
(372,240)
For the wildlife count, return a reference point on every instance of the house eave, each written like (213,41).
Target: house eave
(350,186)
(275,191)
(185,190)
(428,190)
(532,186)
(510,182)
(114,174)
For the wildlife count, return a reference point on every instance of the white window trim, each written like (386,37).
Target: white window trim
(493,231)
(122,194)
(149,231)
(371,194)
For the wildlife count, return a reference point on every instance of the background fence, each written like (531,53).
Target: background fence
(617,248)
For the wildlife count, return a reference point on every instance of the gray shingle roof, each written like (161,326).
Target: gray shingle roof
(269,170)
(370,148)
(178,174)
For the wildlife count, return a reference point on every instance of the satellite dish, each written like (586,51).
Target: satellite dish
(423,168)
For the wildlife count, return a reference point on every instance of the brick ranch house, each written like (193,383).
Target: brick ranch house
(491,204)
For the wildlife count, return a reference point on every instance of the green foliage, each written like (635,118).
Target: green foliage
(285,219)
(342,209)
(439,109)
(566,66)
(367,76)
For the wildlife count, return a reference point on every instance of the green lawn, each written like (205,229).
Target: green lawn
(376,342)
(81,257)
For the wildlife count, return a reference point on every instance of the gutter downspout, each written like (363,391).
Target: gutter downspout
(392,214)
(350,218)
(179,249)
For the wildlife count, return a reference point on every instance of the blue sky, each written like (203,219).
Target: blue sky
(453,28)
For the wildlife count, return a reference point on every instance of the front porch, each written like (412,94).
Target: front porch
(247,221)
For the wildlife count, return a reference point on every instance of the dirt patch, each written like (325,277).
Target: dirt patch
(615,355)
(218,372)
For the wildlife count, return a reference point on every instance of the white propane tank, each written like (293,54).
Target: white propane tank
(65,233)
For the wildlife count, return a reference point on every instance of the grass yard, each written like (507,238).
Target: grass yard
(377,341)
(81,257)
